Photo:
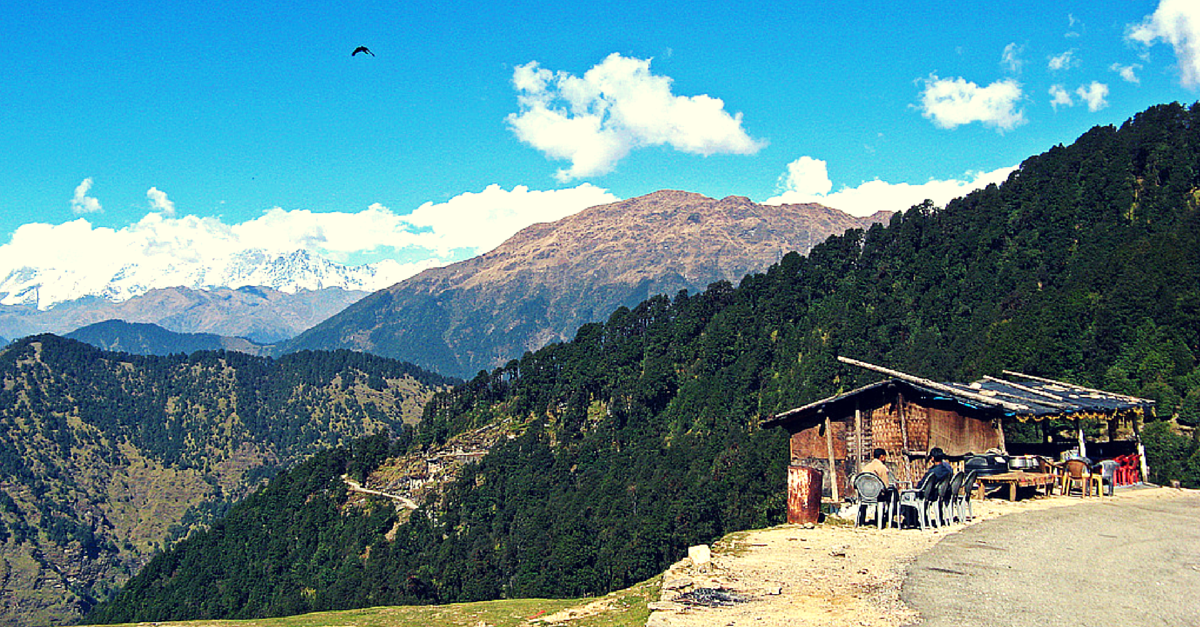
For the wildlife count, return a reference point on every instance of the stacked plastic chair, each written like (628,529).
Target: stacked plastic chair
(919,499)
(962,500)
(1128,469)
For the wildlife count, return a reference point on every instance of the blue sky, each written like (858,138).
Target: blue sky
(243,120)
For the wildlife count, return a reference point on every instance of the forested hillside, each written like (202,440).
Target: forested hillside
(144,338)
(642,435)
(106,458)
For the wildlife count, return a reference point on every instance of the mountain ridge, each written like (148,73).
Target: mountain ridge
(261,314)
(146,338)
(547,280)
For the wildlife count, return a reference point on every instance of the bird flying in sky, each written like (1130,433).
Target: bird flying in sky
(362,49)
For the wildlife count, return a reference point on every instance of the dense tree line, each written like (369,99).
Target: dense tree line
(643,433)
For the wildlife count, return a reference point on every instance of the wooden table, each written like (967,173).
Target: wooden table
(1019,478)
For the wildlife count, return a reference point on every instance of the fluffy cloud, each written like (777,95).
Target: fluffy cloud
(159,201)
(1064,61)
(1060,97)
(871,196)
(1176,22)
(1094,94)
(1011,58)
(807,176)
(1128,72)
(82,203)
(77,257)
(951,103)
(481,221)
(595,120)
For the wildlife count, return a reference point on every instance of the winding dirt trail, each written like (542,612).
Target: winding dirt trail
(357,487)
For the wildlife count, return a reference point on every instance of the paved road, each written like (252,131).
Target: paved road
(1119,562)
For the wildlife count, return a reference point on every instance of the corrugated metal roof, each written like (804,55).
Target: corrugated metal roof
(1032,397)
(1046,397)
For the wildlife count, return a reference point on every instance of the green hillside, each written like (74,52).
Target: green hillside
(642,435)
(144,338)
(106,458)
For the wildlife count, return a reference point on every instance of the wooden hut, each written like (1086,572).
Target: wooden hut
(907,416)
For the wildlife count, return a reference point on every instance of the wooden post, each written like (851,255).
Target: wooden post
(904,437)
(1137,434)
(833,475)
(858,424)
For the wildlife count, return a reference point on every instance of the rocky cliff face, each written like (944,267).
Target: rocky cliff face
(549,279)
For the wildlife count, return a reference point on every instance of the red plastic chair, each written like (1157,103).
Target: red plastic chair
(1129,472)
(1135,468)
(1122,469)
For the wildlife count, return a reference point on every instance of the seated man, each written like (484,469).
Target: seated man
(940,468)
(880,469)
(877,466)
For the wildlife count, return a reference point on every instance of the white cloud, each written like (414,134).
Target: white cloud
(481,221)
(1011,58)
(876,195)
(159,201)
(77,258)
(595,120)
(1060,97)
(1064,61)
(807,176)
(1176,22)
(951,103)
(1128,73)
(82,203)
(1094,94)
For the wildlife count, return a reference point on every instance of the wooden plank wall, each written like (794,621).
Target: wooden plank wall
(898,427)
(957,434)
(810,448)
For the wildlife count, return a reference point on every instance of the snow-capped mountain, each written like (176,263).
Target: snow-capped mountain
(289,272)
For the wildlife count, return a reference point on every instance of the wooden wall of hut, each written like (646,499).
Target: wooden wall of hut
(906,430)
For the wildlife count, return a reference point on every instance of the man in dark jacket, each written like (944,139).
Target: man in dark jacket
(940,468)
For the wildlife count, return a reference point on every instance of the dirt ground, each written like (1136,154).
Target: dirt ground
(827,575)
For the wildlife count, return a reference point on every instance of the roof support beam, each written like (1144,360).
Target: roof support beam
(941,387)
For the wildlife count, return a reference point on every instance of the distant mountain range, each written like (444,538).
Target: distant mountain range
(537,287)
(262,315)
(300,270)
(546,281)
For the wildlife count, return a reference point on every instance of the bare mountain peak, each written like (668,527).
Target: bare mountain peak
(544,282)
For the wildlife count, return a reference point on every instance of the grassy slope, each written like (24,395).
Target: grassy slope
(623,608)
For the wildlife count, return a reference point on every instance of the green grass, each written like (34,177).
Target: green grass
(624,608)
